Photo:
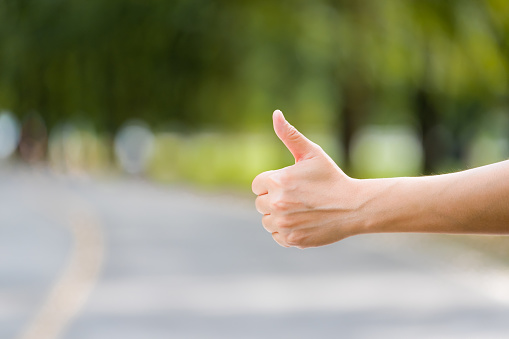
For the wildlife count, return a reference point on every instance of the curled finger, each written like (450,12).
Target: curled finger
(279,239)
(268,223)
(262,204)
(260,184)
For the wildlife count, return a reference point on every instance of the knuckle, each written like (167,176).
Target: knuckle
(260,182)
(281,179)
(318,148)
(285,179)
(254,185)
(292,133)
(275,180)
(279,206)
(283,222)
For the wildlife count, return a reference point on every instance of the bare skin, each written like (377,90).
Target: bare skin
(314,203)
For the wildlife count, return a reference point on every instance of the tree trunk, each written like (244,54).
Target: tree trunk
(352,115)
(434,135)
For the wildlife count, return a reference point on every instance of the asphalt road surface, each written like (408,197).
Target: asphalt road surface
(124,258)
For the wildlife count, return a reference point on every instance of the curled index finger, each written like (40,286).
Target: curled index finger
(260,183)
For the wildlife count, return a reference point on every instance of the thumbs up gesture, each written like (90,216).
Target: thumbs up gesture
(313,203)
(310,203)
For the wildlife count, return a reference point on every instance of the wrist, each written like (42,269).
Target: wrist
(389,204)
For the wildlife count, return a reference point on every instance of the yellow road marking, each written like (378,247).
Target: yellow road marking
(77,280)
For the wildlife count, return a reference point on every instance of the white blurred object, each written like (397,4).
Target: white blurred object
(386,151)
(487,149)
(66,151)
(9,134)
(134,145)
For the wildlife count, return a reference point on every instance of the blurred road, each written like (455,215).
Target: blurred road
(123,258)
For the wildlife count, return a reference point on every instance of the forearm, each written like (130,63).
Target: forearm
(475,201)
(314,203)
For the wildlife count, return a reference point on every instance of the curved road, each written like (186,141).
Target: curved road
(123,258)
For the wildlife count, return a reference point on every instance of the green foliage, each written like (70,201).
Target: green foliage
(332,65)
(216,159)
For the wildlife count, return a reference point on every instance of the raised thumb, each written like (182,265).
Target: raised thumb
(300,146)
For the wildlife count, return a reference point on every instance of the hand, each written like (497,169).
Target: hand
(310,203)
(313,203)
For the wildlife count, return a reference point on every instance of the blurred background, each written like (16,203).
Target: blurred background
(101,101)
(416,87)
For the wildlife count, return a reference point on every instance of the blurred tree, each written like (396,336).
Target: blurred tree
(225,64)
(438,60)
